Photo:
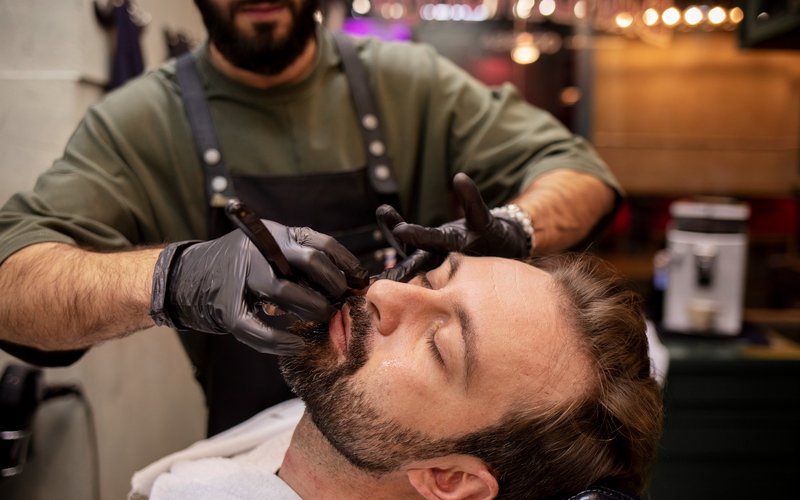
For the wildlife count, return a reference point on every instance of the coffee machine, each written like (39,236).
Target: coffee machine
(706,267)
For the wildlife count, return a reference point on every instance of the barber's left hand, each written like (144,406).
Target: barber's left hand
(480,232)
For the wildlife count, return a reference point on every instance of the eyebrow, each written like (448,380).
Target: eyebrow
(467,330)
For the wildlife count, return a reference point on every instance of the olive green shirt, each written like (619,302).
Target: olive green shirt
(130,173)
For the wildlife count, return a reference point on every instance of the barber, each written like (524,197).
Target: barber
(317,132)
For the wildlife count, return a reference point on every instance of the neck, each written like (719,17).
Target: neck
(295,72)
(314,469)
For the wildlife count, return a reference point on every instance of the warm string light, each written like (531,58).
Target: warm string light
(361,7)
(650,17)
(523,8)
(693,16)
(547,7)
(736,15)
(579,10)
(453,12)
(621,16)
(525,50)
(623,20)
(717,16)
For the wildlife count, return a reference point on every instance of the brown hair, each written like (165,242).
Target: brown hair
(607,435)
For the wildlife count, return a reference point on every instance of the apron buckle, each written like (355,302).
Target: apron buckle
(219,200)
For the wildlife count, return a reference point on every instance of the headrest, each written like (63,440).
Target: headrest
(602,493)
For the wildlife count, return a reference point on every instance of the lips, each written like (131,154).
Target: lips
(262,4)
(262,9)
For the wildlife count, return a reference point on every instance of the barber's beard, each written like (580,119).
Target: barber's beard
(344,414)
(262,52)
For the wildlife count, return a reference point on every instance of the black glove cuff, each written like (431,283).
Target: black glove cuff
(158,311)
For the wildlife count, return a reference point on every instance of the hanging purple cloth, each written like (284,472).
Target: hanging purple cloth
(127,61)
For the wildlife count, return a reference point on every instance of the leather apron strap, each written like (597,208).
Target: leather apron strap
(379,164)
(219,186)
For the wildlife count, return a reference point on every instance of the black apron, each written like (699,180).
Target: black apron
(238,382)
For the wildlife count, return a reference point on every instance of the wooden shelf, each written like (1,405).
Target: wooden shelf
(774,317)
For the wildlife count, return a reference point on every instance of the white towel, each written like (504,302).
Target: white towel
(220,479)
(659,355)
(267,434)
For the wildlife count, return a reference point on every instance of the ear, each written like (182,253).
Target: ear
(454,477)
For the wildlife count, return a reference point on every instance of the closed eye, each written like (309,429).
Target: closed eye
(423,279)
(433,348)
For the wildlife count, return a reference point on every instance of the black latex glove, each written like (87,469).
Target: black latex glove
(218,285)
(478,233)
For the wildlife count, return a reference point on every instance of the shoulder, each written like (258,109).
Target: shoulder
(395,51)
(409,59)
(152,96)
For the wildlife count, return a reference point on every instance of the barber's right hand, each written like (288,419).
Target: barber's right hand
(217,286)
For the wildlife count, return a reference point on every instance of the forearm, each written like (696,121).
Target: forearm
(564,205)
(58,297)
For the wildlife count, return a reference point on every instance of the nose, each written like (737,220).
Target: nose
(400,304)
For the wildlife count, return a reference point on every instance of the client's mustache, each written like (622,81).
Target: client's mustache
(314,332)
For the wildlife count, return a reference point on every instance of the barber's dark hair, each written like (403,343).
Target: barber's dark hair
(608,434)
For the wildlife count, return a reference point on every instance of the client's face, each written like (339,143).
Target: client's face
(408,367)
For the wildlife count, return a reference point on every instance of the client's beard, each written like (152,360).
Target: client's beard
(316,368)
(343,413)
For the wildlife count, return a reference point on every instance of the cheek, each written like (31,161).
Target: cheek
(410,390)
(397,376)
(400,386)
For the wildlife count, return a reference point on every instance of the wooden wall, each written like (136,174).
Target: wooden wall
(700,116)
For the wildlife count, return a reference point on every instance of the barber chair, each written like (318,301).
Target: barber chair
(602,493)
